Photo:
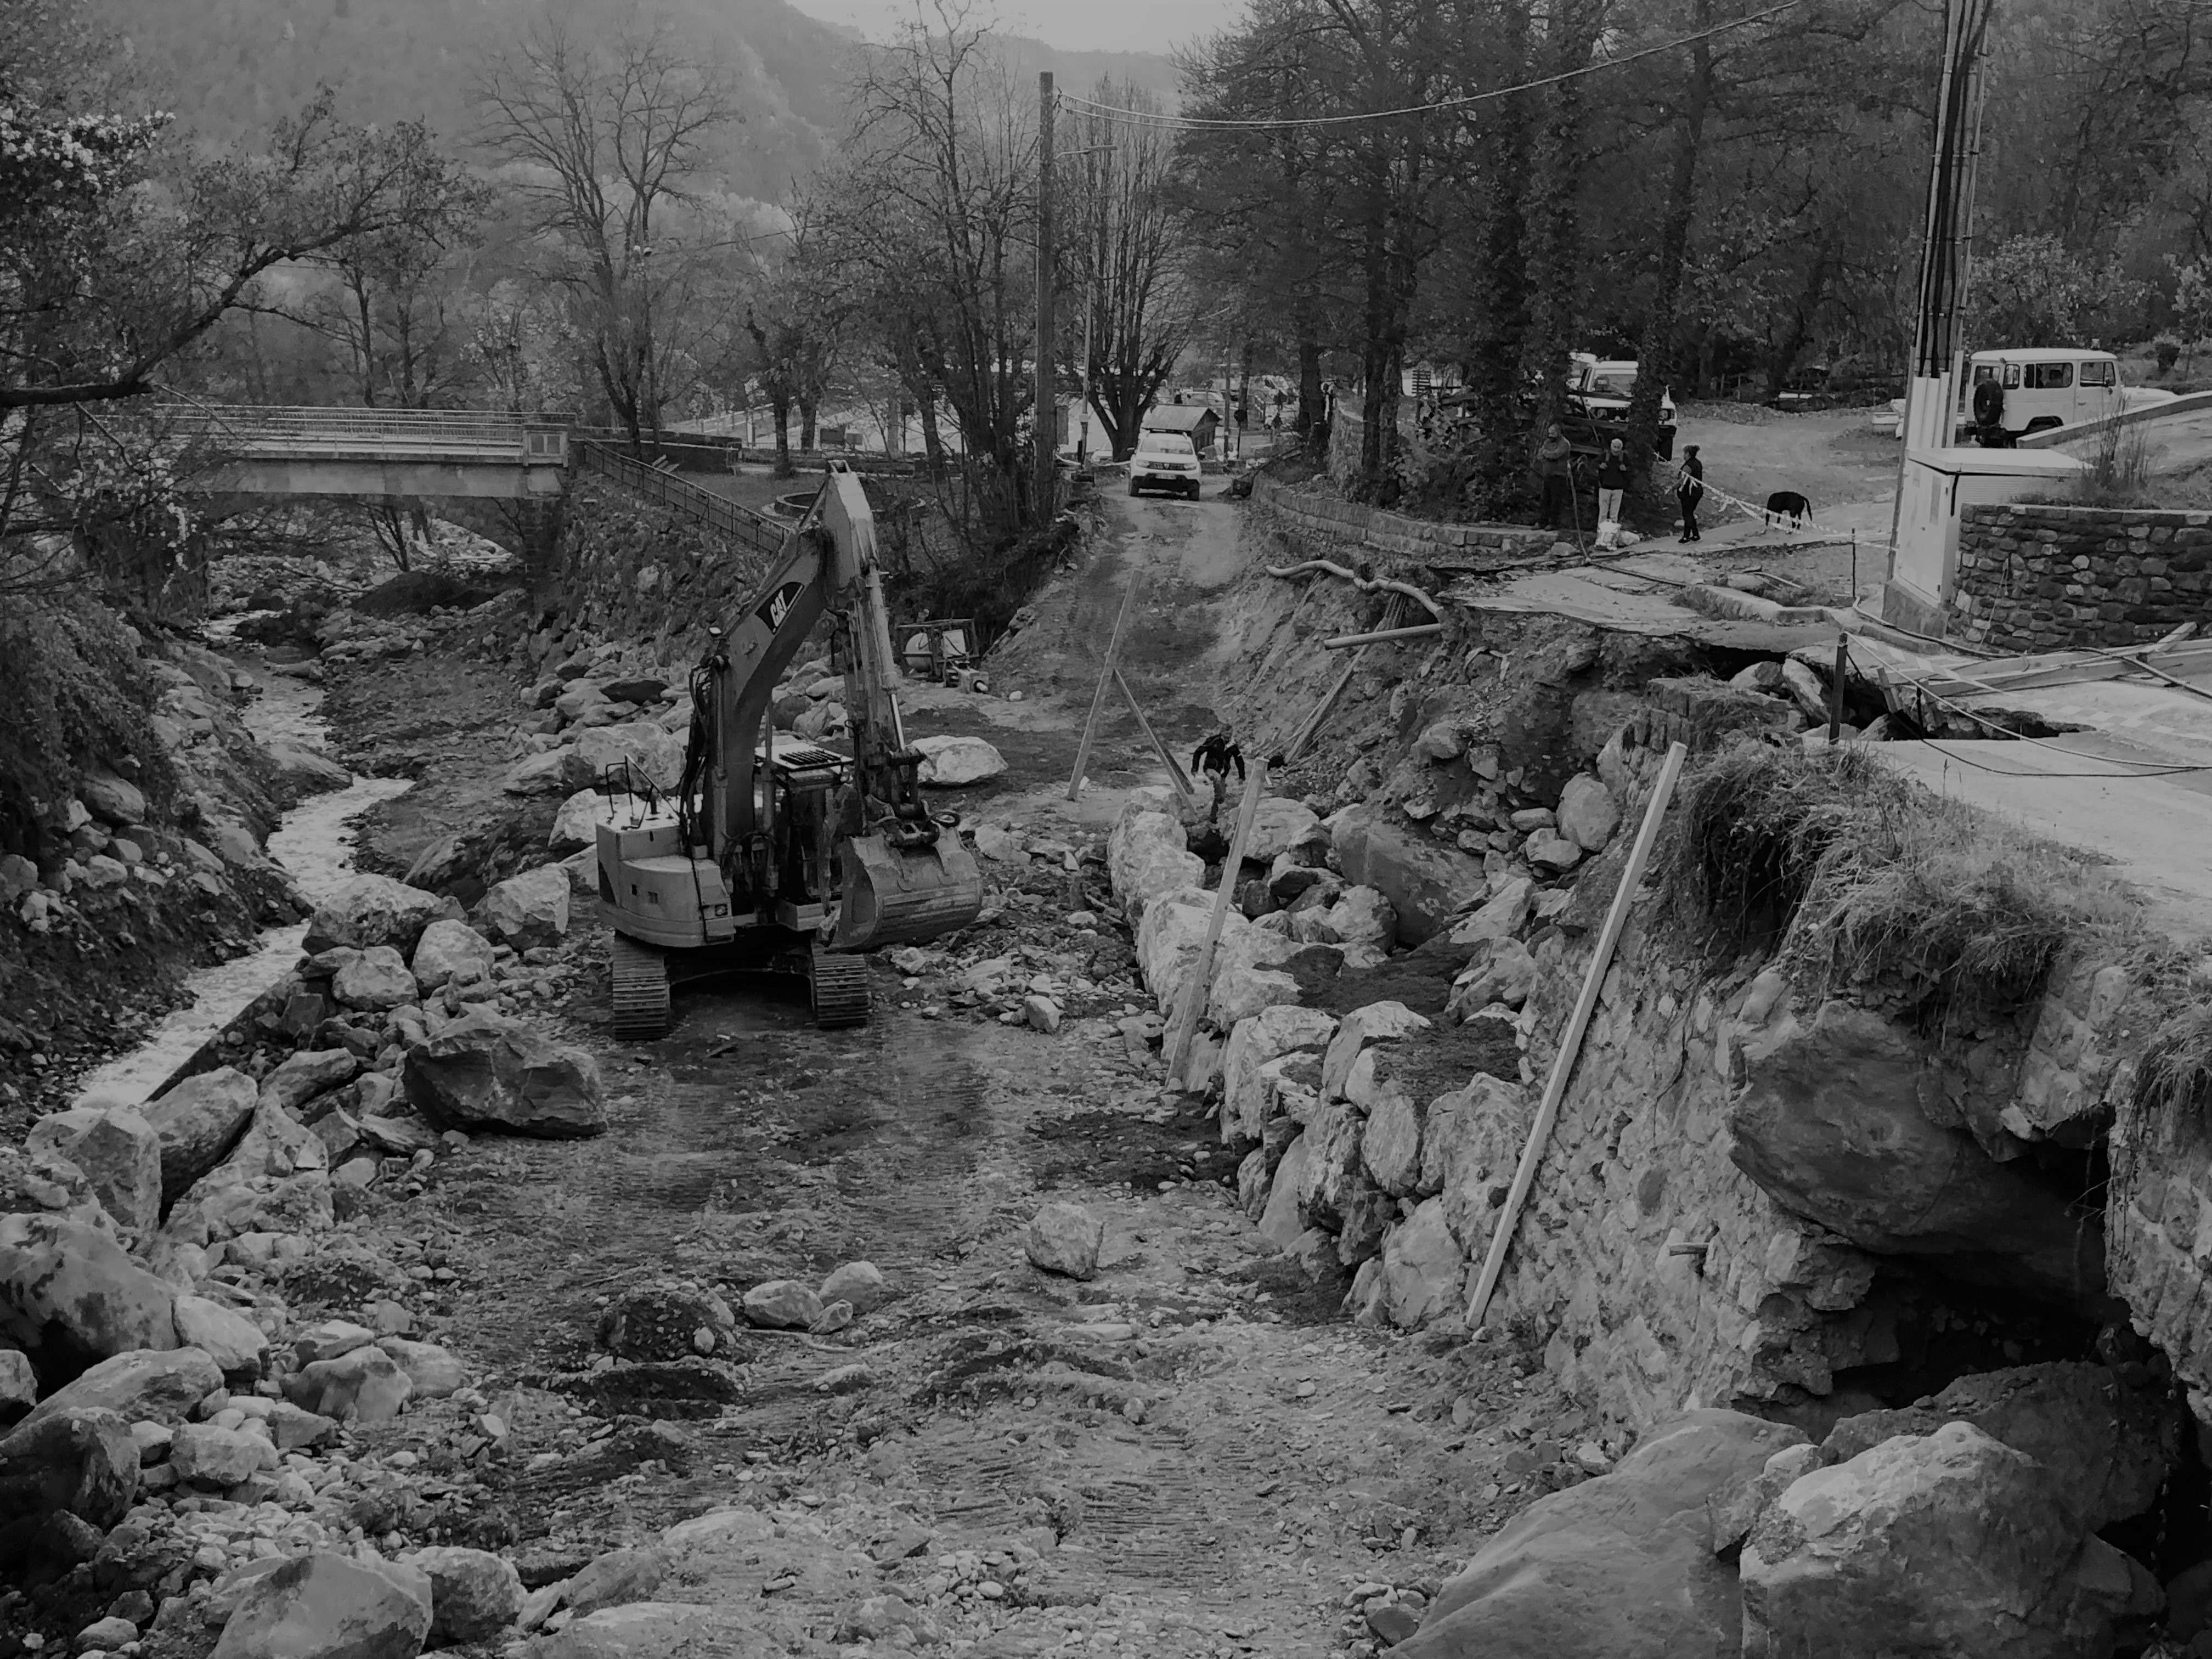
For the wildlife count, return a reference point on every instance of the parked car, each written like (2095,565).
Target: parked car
(1598,391)
(1164,461)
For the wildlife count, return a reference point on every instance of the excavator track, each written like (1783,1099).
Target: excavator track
(640,990)
(838,985)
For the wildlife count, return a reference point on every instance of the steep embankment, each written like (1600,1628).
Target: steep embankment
(1855,1146)
(134,805)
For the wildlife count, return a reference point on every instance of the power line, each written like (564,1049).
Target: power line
(1206,123)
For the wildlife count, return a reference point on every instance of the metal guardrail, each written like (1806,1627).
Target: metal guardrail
(748,529)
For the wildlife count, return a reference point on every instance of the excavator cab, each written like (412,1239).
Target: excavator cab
(777,855)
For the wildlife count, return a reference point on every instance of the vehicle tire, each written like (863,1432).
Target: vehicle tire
(1988,404)
(640,990)
(1133,490)
(2042,423)
(1197,491)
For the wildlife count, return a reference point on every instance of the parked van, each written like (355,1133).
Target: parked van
(2006,395)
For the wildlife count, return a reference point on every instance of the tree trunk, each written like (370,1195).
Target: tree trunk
(1655,356)
(1555,225)
(780,410)
(1310,393)
(1791,345)
(806,408)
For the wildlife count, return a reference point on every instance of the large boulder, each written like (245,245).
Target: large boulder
(484,1071)
(1278,825)
(1428,882)
(528,909)
(330,1607)
(450,951)
(2113,1436)
(363,1385)
(147,1385)
(1168,938)
(1147,857)
(1589,815)
(1247,976)
(227,1337)
(1471,1142)
(373,910)
(1378,1022)
(577,824)
(378,981)
(304,769)
(1620,1567)
(112,800)
(299,1077)
(1947,1543)
(1502,916)
(954,763)
(70,1297)
(545,773)
(197,1122)
(1424,1271)
(1253,1041)
(1830,1125)
(474,1594)
(276,1179)
(120,1155)
(82,1460)
(651,753)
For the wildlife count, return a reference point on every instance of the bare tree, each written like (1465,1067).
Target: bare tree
(1124,227)
(606,142)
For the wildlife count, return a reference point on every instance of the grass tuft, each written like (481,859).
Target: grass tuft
(2175,1070)
(1859,875)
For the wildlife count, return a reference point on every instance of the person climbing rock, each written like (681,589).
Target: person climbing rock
(1210,762)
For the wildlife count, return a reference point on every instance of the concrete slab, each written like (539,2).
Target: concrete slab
(2155,831)
(1608,598)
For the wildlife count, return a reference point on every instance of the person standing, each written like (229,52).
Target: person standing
(1555,459)
(1689,489)
(1611,483)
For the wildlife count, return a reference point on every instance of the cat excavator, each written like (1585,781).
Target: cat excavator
(772,853)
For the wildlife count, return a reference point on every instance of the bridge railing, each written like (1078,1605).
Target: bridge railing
(748,529)
(541,440)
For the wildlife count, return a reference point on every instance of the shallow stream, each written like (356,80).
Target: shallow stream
(314,842)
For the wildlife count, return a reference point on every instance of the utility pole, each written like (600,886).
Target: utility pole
(1045,421)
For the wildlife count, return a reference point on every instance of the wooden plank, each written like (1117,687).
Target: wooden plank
(1176,1050)
(1105,682)
(1571,1040)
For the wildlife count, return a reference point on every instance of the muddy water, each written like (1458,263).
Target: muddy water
(315,842)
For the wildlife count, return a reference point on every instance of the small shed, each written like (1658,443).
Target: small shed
(1196,421)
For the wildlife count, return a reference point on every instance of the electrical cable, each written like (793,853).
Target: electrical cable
(1215,124)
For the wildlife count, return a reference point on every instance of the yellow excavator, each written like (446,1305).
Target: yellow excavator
(782,855)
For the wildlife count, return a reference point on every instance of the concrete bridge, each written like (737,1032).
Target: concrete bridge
(271,451)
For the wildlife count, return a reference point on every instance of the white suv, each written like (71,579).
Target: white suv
(1164,461)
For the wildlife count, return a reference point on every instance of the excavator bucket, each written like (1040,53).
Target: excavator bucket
(894,898)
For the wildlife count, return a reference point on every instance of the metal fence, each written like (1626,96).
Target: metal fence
(748,529)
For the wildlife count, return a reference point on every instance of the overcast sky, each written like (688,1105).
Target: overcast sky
(1073,25)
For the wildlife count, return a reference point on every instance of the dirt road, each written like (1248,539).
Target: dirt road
(1189,1454)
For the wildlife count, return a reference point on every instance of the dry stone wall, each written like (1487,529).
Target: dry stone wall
(1359,531)
(632,569)
(2042,578)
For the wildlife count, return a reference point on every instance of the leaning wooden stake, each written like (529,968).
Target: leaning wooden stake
(1571,1040)
(1176,775)
(1194,997)
(1105,682)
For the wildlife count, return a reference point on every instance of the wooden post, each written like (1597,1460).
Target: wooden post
(1311,728)
(1177,1048)
(1105,680)
(1835,692)
(1571,1040)
(1176,775)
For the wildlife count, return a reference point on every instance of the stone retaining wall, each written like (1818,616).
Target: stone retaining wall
(1421,541)
(2046,578)
(632,569)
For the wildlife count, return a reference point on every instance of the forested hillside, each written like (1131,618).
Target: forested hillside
(229,68)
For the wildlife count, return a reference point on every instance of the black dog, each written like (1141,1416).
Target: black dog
(1789,504)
